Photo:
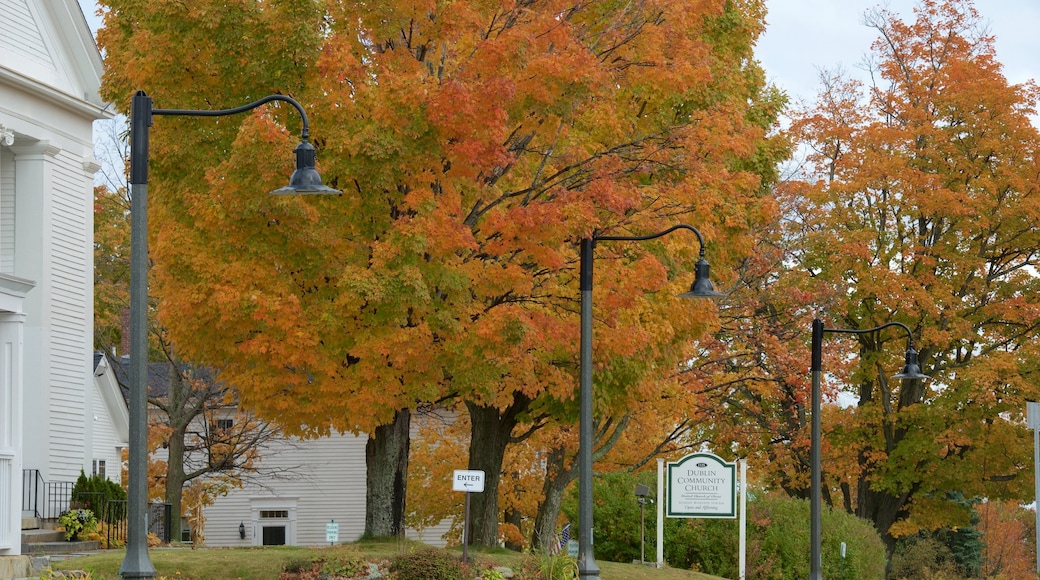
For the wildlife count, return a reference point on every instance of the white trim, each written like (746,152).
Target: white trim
(259,504)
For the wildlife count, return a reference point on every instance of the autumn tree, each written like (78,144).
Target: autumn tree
(476,144)
(918,205)
(197,436)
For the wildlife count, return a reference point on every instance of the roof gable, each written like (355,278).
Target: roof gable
(49,42)
(108,387)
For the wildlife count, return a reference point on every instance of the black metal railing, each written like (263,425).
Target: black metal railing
(114,517)
(32,491)
(47,500)
(57,498)
(159,515)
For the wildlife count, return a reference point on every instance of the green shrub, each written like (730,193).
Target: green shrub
(558,567)
(777,535)
(96,493)
(428,564)
(348,566)
(924,557)
(616,515)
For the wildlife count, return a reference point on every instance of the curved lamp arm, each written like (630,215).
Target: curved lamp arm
(700,238)
(225,112)
(909,334)
(304,180)
(701,288)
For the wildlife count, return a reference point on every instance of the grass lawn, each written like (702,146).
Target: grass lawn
(266,563)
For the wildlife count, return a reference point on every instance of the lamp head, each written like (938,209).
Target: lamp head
(702,287)
(305,180)
(911,370)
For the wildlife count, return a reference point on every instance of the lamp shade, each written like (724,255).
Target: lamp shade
(911,370)
(305,180)
(702,287)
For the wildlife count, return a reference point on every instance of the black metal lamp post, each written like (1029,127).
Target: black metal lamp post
(304,180)
(701,288)
(911,371)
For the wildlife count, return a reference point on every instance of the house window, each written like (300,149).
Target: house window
(185,531)
(274,514)
(225,424)
(98,468)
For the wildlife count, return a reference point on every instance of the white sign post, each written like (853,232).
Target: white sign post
(1033,422)
(702,485)
(468,481)
(332,532)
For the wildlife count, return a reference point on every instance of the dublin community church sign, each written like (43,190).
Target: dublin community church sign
(702,485)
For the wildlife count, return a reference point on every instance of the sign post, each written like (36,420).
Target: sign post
(467,481)
(332,532)
(1033,422)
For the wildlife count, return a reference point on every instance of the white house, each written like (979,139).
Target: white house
(50,71)
(111,422)
(301,487)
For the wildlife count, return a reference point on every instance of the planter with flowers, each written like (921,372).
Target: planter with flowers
(76,522)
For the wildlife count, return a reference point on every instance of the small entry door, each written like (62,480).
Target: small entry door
(274,535)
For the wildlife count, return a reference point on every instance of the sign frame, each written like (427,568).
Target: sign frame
(715,475)
(332,532)
(475,476)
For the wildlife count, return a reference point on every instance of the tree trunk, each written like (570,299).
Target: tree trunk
(490,431)
(386,465)
(556,481)
(175,481)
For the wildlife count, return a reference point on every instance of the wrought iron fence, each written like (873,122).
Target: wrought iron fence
(32,492)
(58,498)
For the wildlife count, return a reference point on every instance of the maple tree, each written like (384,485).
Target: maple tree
(476,143)
(916,204)
(199,460)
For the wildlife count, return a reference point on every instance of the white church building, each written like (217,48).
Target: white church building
(50,71)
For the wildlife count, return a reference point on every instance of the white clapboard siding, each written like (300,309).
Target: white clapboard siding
(324,479)
(70,273)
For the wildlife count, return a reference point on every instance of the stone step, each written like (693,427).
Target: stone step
(38,535)
(61,547)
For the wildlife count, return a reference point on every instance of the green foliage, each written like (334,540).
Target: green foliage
(97,494)
(778,535)
(428,564)
(923,556)
(348,566)
(778,541)
(946,552)
(76,522)
(558,567)
(616,514)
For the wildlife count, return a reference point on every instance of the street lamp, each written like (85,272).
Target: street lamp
(911,371)
(701,288)
(304,180)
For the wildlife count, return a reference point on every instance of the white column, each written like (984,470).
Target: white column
(11,358)
(33,168)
